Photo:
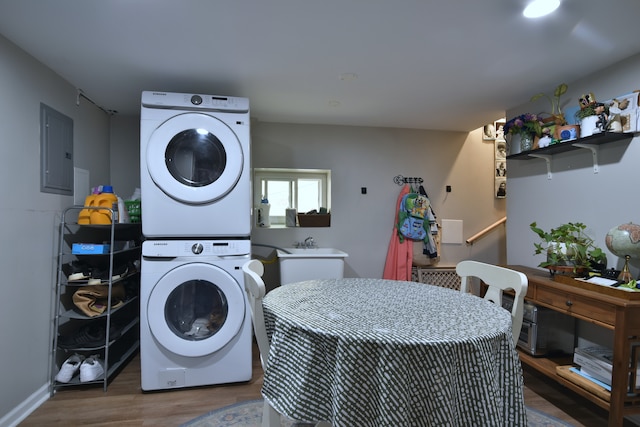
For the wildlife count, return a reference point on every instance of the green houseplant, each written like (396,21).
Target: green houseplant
(589,110)
(569,249)
(589,116)
(556,109)
(592,115)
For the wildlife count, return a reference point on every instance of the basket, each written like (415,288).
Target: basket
(314,220)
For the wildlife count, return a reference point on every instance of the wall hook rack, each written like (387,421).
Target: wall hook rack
(401,180)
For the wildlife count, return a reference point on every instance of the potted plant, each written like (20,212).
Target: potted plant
(527,126)
(569,249)
(560,130)
(556,114)
(589,114)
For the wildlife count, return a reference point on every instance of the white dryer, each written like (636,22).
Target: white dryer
(195,165)
(195,322)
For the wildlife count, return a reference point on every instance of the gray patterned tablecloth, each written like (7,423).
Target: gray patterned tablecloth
(370,352)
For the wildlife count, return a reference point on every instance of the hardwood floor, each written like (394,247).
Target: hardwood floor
(124,404)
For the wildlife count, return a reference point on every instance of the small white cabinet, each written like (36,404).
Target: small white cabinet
(103,259)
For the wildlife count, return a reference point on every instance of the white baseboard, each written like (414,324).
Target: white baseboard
(22,411)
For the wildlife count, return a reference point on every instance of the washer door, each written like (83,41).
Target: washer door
(196,309)
(194,158)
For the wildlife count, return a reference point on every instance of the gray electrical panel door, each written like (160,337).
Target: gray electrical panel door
(56,151)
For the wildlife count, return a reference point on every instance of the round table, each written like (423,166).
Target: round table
(371,352)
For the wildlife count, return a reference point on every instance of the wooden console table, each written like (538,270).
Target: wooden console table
(610,308)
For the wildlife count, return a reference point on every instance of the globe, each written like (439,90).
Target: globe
(624,240)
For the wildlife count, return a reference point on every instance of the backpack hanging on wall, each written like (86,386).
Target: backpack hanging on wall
(413,212)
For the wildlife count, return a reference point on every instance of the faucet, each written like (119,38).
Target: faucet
(309,242)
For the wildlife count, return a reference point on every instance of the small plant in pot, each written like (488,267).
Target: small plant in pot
(554,121)
(592,115)
(569,250)
(556,114)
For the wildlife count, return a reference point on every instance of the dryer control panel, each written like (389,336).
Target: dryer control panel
(193,101)
(195,248)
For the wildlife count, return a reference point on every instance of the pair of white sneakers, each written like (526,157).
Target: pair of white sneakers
(90,368)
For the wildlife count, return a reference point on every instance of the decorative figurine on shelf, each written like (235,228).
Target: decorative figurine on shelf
(586,100)
(625,275)
(602,124)
(545,139)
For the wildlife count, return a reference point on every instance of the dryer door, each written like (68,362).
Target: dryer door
(196,309)
(194,158)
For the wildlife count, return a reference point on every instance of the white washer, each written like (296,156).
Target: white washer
(195,165)
(195,322)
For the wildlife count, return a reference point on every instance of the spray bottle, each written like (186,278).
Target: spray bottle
(263,213)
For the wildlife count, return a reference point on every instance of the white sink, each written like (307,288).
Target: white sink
(298,264)
(311,253)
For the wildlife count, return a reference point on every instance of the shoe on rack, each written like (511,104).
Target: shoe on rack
(91,369)
(69,368)
(91,335)
(99,276)
(77,270)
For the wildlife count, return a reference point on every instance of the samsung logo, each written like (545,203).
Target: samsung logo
(159,93)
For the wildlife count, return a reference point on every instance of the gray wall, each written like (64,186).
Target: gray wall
(361,224)
(125,152)
(575,193)
(601,201)
(28,230)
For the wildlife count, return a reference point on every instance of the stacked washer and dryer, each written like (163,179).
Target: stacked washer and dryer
(195,322)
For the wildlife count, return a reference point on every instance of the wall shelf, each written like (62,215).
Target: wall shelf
(591,143)
(594,140)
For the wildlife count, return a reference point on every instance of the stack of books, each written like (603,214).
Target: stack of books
(596,364)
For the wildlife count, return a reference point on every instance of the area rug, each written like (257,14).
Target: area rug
(249,414)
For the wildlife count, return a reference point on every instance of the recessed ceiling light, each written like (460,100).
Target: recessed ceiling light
(538,8)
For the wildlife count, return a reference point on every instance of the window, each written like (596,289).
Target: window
(300,189)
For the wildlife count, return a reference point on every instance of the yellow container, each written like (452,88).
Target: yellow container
(84,217)
(106,199)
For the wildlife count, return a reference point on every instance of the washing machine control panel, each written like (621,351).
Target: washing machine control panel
(185,248)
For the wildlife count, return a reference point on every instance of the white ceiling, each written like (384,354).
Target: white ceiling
(426,64)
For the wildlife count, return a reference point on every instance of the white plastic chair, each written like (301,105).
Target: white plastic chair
(498,279)
(254,285)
